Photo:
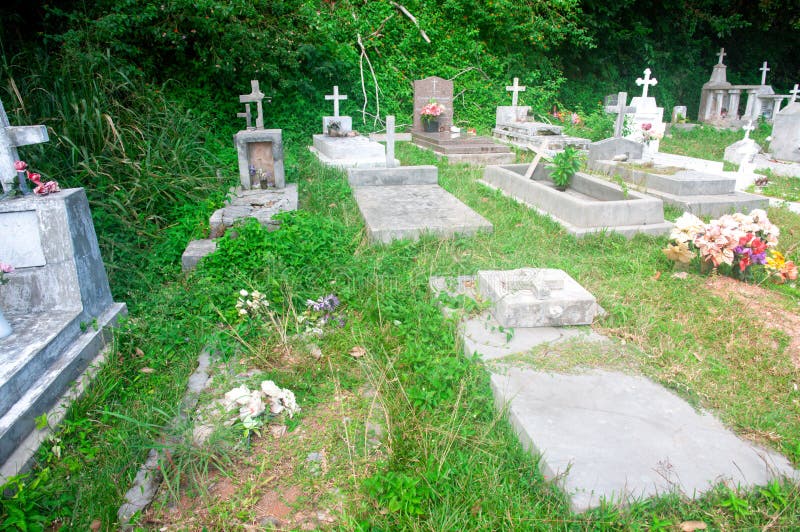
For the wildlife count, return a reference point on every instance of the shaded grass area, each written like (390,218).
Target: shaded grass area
(450,461)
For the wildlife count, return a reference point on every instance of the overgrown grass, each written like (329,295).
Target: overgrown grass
(451,461)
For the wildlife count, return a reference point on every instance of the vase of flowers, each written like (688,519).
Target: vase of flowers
(5,327)
(430,116)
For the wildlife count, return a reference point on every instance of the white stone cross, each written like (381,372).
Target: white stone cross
(647,81)
(794,92)
(620,110)
(10,138)
(515,89)
(721,54)
(764,71)
(747,129)
(336,97)
(390,141)
(256,97)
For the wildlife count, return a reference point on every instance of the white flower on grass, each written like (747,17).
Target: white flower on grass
(280,398)
(270,389)
(243,293)
(237,396)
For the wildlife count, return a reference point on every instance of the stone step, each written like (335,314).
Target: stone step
(679,183)
(395,176)
(51,366)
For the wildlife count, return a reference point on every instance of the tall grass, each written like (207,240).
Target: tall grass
(140,156)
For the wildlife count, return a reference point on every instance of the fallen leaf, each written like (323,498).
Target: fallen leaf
(484,200)
(96,524)
(657,276)
(147,370)
(332,205)
(358,352)
(277,431)
(691,526)
(680,275)
(138,352)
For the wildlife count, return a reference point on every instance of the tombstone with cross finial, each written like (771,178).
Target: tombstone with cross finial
(336,125)
(721,54)
(259,150)
(515,89)
(12,137)
(764,69)
(743,151)
(647,122)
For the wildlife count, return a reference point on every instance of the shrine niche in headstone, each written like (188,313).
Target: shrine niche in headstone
(260,151)
(59,304)
(785,144)
(514,126)
(647,123)
(341,147)
(12,137)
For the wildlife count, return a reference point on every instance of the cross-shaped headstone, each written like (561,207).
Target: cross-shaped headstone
(764,71)
(747,129)
(620,110)
(390,141)
(336,97)
(256,97)
(12,137)
(515,89)
(647,81)
(794,92)
(721,54)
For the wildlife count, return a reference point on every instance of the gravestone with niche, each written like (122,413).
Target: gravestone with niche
(259,150)
(59,303)
(457,146)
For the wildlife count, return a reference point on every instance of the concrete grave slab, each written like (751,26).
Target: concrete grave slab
(608,149)
(407,211)
(463,148)
(196,250)
(608,435)
(262,205)
(395,176)
(349,152)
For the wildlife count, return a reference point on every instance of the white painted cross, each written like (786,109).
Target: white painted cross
(764,71)
(256,97)
(620,110)
(647,81)
(515,89)
(721,54)
(336,97)
(10,138)
(390,141)
(747,129)
(794,92)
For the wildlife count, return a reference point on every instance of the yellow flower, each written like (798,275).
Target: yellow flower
(679,252)
(776,261)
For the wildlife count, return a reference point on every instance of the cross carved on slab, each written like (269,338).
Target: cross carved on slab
(12,137)
(535,281)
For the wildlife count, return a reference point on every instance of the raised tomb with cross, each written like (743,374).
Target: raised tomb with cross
(339,146)
(259,150)
(514,125)
(647,121)
(58,287)
(725,104)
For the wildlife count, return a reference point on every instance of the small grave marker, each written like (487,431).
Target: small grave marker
(620,109)
(336,97)
(721,54)
(747,129)
(764,71)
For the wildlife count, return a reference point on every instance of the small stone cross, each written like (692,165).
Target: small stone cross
(12,137)
(256,97)
(335,97)
(533,281)
(721,54)
(794,92)
(620,110)
(515,89)
(390,141)
(747,129)
(647,81)
(764,71)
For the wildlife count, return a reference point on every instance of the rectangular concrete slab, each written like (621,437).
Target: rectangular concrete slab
(349,152)
(407,211)
(395,176)
(608,435)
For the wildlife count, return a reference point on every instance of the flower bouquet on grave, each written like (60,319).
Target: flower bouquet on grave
(739,244)
(41,189)
(649,135)
(429,115)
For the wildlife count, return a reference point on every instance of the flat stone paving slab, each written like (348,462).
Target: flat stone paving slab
(609,435)
(407,211)
(261,204)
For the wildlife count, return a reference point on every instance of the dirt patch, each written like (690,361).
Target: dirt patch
(762,303)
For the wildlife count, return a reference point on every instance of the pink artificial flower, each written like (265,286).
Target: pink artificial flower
(647,127)
(21,166)
(789,271)
(36,178)
(576,119)
(46,188)
(6,268)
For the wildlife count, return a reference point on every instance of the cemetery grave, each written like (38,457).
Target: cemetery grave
(458,147)
(406,201)
(338,145)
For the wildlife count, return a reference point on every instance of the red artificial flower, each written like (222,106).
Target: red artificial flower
(744,262)
(21,166)
(745,239)
(36,178)
(758,246)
